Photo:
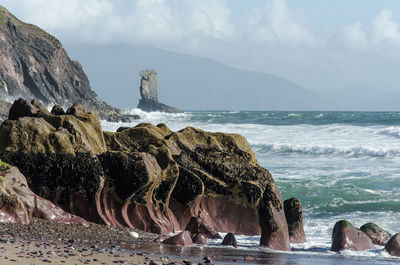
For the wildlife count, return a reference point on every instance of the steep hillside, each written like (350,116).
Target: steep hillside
(34,65)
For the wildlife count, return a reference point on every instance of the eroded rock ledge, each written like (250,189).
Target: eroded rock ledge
(146,177)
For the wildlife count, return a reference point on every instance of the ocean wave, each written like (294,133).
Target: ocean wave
(294,115)
(393,131)
(158,116)
(327,150)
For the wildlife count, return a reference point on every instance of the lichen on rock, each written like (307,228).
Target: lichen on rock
(145,177)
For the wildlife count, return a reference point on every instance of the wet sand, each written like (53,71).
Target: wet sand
(44,242)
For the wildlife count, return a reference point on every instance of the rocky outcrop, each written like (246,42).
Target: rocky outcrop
(347,237)
(181,239)
(34,65)
(294,218)
(393,245)
(378,235)
(32,129)
(146,177)
(19,204)
(274,229)
(149,93)
(229,240)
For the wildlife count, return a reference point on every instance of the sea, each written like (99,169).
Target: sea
(341,165)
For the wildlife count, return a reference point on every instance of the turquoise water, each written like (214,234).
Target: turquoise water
(341,165)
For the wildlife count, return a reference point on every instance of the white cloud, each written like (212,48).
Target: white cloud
(58,14)
(382,35)
(354,37)
(385,32)
(141,21)
(275,37)
(277,22)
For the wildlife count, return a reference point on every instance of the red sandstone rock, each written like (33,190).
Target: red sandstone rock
(346,236)
(274,230)
(294,218)
(19,204)
(148,178)
(199,239)
(393,245)
(182,239)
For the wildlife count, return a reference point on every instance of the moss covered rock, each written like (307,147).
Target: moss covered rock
(146,177)
(347,237)
(32,128)
(191,173)
(378,235)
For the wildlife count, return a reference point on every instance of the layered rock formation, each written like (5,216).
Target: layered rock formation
(146,177)
(34,65)
(149,93)
(19,204)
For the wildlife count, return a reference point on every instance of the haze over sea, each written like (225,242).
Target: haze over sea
(341,165)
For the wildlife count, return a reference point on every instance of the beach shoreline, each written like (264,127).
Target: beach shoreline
(43,242)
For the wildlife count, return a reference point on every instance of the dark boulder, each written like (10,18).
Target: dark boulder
(294,218)
(197,225)
(199,239)
(378,235)
(22,108)
(182,239)
(347,237)
(393,245)
(229,240)
(57,110)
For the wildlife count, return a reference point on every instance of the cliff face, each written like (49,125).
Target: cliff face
(34,65)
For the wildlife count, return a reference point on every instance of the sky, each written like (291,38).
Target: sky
(318,44)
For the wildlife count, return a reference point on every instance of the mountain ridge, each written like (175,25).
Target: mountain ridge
(186,81)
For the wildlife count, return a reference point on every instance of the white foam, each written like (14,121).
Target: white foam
(393,131)
(294,115)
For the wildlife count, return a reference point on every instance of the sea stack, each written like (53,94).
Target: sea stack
(149,93)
